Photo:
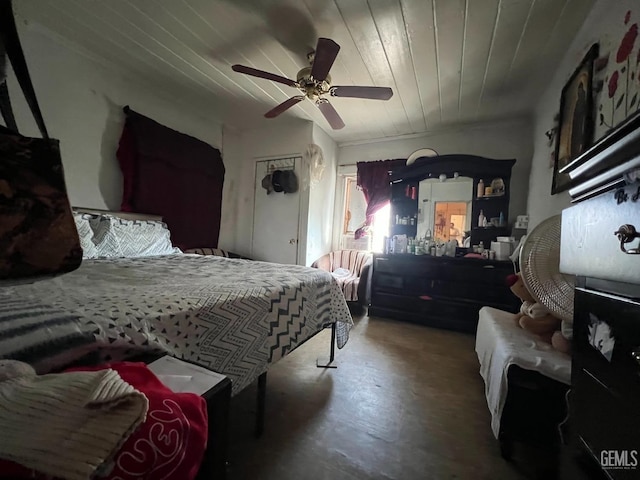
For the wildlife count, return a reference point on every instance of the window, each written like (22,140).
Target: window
(380,228)
(355,208)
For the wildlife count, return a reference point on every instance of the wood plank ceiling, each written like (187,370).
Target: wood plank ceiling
(449,62)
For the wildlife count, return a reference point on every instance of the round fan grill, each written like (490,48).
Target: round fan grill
(540,268)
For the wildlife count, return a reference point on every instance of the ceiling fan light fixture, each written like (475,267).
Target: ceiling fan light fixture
(309,86)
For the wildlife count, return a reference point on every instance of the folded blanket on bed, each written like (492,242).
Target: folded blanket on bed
(69,424)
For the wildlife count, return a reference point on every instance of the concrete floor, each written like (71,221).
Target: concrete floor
(406,402)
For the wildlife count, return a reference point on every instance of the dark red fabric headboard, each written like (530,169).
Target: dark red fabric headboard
(174,175)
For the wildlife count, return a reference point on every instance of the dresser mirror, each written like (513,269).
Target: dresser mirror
(444,208)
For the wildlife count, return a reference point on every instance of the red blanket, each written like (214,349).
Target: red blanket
(169,445)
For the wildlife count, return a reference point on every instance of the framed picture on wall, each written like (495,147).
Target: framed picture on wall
(576,121)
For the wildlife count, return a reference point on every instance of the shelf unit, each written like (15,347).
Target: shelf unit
(404,205)
(491,206)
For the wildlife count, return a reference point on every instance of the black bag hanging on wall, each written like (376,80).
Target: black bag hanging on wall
(38,236)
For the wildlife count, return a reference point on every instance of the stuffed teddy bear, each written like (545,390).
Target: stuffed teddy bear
(561,339)
(533,316)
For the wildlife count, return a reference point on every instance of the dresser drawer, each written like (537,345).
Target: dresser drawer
(406,285)
(405,265)
(461,311)
(388,282)
(607,340)
(406,304)
(483,293)
(477,272)
(589,247)
(385,265)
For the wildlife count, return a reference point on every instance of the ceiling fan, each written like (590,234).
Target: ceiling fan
(314,82)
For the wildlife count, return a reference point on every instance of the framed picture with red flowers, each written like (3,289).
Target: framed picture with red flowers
(576,120)
(619,98)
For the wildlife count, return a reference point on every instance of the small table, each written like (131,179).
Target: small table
(184,377)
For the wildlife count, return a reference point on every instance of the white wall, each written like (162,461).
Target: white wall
(605,24)
(321,200)
(230,218)
(279,138)
(81,98)
(499,140)
(81,102)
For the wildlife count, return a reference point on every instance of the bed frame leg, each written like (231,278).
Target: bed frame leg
(506,446)
(323,362)
(262,394)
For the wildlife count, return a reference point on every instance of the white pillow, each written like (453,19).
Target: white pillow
(119,237)
(104,237)
(85,232)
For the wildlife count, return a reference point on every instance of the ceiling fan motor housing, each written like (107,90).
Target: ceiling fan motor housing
(309,86)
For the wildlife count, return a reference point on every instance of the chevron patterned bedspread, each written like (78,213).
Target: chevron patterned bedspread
(231,316)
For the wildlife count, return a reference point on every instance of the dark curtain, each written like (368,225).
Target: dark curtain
(373,179)
(174,175)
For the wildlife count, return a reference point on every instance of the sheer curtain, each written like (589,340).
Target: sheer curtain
(373,179)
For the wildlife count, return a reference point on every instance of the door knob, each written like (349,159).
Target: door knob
(292,241)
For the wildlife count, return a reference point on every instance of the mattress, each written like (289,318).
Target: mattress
(232,316)
(500,343)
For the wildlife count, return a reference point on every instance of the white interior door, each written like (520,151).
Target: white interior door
(276,217)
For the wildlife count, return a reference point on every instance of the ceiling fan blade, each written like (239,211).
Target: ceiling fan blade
(274,112)
(262,74)
(326,53)
(373,93)
(330,114)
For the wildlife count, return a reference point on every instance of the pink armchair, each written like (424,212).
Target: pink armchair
(355,285)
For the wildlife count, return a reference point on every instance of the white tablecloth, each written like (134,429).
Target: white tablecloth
(500,343)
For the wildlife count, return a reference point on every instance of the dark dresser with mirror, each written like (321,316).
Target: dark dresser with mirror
(450,179)
(439,197)
(600,245)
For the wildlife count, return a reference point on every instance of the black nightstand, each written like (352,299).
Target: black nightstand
(215,388)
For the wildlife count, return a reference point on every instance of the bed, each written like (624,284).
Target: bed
(232,316)
(137,297)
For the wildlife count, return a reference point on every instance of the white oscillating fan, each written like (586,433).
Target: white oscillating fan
(540,269)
